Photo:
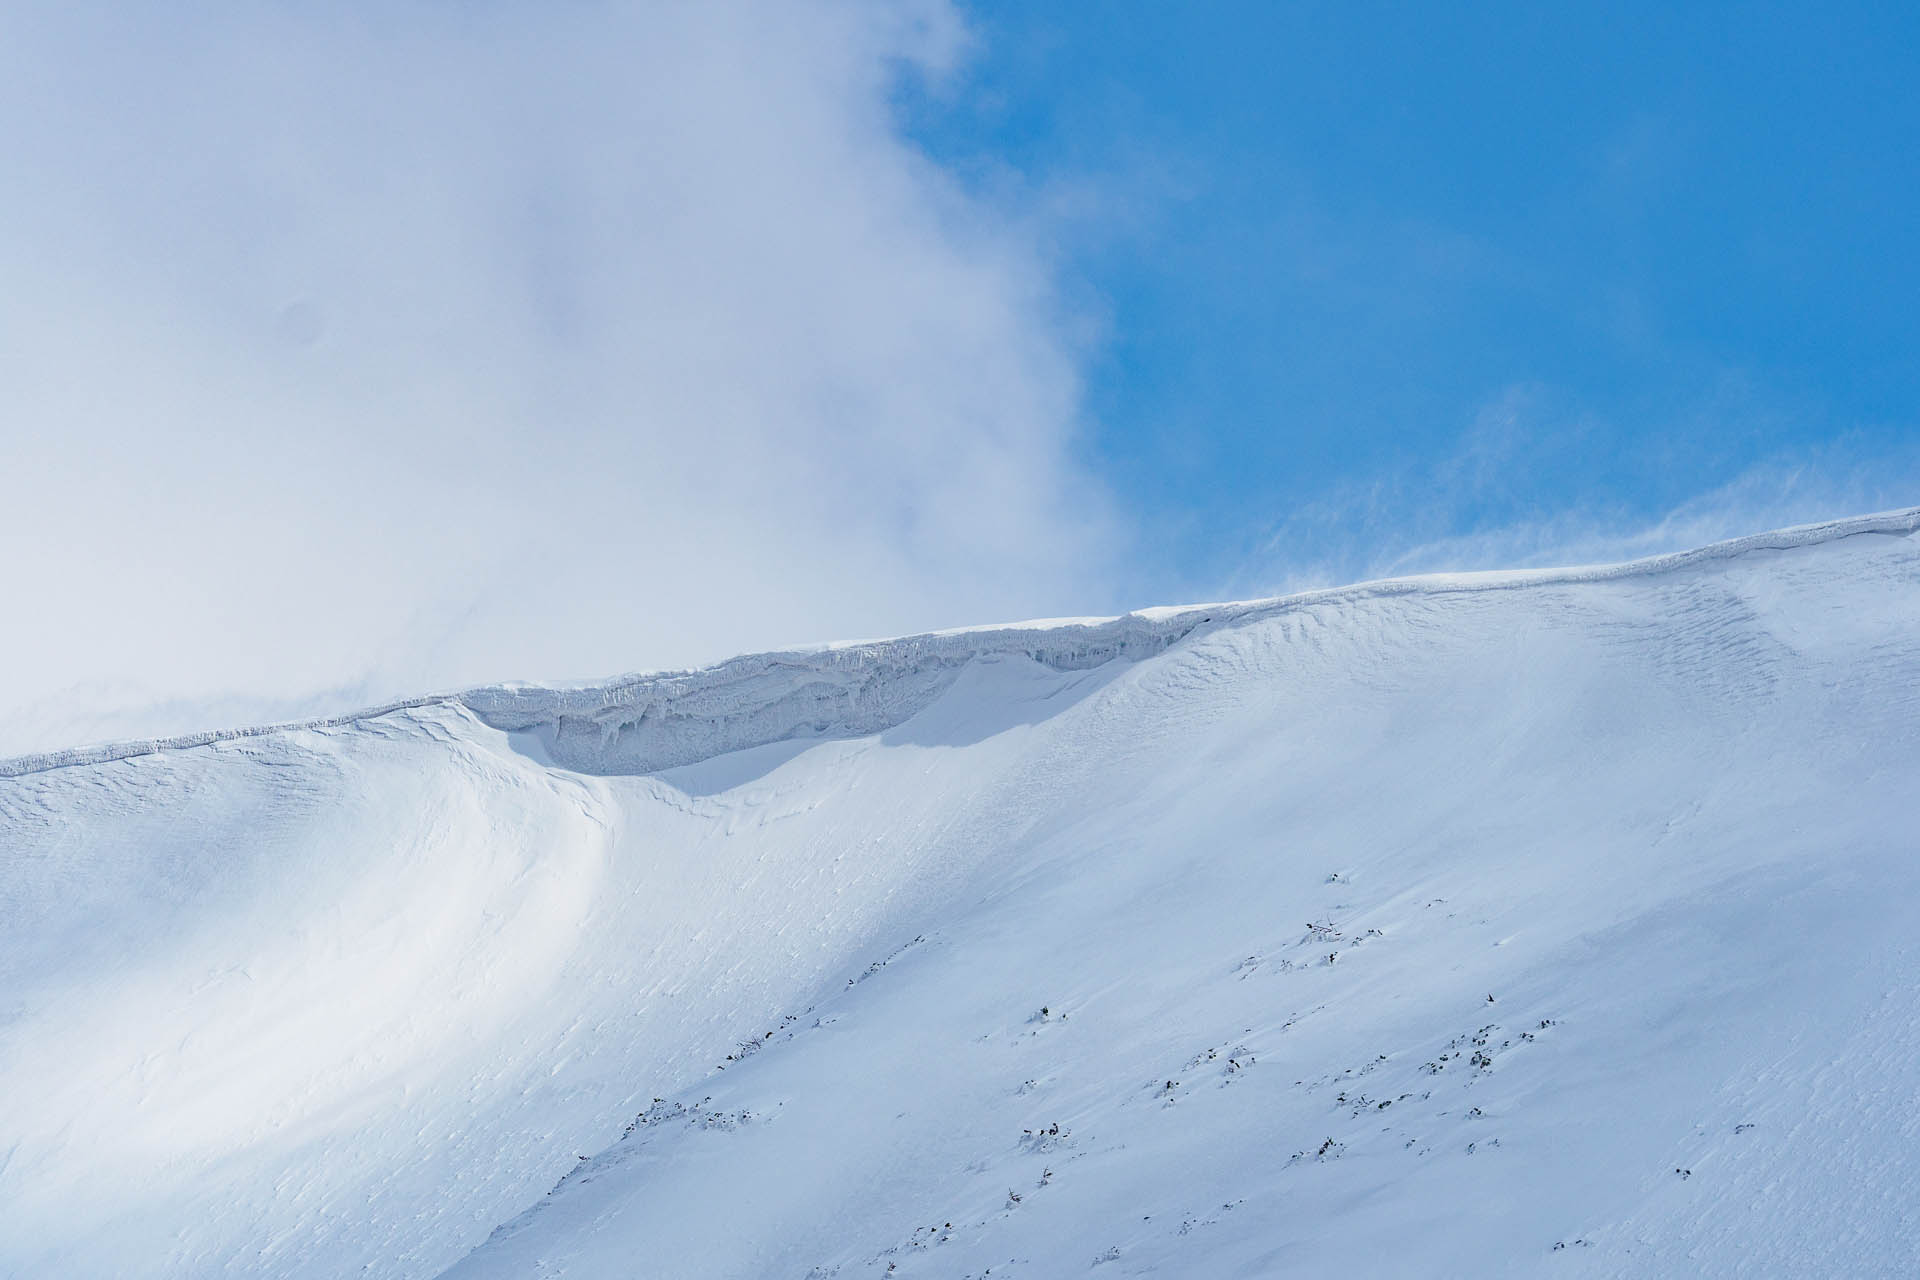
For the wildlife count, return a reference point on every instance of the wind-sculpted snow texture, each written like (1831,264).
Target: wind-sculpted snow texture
(1551,923)
(649,723)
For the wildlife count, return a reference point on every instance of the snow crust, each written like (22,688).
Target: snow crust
(1510,924)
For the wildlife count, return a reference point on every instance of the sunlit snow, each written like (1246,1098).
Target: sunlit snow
(1553,923)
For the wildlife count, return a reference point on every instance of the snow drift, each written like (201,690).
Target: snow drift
(1507,923)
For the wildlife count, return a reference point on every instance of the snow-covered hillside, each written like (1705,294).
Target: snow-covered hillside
(1517,924)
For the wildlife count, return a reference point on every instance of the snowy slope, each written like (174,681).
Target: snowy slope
(456,985)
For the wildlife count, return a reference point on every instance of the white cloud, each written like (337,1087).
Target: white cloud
(371,349)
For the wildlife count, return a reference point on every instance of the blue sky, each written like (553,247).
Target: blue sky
(356,350)
(1513,265)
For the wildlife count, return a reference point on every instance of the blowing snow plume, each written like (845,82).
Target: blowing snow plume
(1506,924)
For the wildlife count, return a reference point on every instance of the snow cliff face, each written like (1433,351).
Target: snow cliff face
(1502,923)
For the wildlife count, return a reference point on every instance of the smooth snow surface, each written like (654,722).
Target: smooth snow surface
(1532,924)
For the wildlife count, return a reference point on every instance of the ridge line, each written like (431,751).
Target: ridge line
(858,680)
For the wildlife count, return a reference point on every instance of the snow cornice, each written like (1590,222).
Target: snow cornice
(643,723)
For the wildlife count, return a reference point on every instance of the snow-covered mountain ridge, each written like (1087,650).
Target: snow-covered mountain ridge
(1512,924)
(656,720)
